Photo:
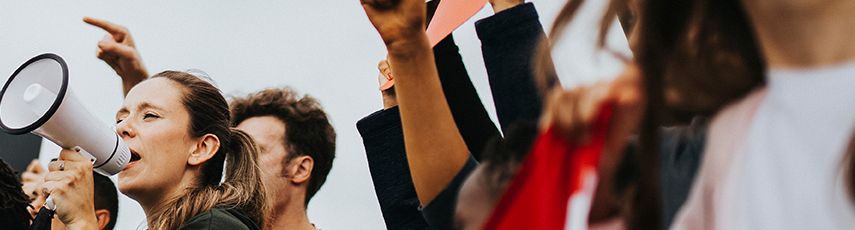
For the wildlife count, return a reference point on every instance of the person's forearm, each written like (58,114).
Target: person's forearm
(129,80)
(435,149)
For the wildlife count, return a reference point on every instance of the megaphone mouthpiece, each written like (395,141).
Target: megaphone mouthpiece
(38,98)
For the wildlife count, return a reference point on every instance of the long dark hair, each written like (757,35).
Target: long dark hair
(640,199)
(695,56)
(707,52)
(242,188)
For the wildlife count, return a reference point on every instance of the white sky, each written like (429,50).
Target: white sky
(327,49)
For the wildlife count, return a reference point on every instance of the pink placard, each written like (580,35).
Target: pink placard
(449,15)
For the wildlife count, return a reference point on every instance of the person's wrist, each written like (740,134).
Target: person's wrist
(389,99)
(404,46)
(500,5)
(135,75)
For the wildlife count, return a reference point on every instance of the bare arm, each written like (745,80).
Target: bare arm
(435,149)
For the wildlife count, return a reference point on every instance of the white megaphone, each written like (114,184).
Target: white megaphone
(37,99)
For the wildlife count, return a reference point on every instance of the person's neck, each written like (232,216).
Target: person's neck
(152,203)
(801,34)
(289,212)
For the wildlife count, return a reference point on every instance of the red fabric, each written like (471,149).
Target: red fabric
(538,196)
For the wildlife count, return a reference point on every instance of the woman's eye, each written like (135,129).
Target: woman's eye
(119,121)
(148,115)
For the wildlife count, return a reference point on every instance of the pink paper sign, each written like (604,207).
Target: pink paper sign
(449,15)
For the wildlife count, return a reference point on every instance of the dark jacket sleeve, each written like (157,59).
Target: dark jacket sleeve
(216,219)
(472,120)
(387,161)
(383,138)
(508,43)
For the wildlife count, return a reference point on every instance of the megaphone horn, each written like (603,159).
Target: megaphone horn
(37,99)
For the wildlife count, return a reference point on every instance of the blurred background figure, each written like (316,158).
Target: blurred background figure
(106,196)
(13,201)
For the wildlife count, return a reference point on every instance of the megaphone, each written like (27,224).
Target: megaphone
(37,99)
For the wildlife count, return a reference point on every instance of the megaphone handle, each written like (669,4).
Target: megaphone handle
(49,204)
(84,153)
(49,201)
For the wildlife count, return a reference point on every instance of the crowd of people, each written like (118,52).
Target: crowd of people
(729,115)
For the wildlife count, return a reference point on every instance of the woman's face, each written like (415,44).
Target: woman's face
(155,125)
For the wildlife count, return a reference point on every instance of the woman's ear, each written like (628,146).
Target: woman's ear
(302,170)
(206,148)
(103,217)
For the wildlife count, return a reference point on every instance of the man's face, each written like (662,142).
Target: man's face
(269,133)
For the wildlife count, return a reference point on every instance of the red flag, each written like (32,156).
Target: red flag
(555,170)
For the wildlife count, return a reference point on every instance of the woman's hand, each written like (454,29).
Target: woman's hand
(69,183)
(389,99)
(397,21)
(117,49)
(573,113)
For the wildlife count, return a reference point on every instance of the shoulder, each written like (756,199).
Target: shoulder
(218,218)
(726,136)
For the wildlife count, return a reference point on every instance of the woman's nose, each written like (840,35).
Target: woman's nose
(124,128)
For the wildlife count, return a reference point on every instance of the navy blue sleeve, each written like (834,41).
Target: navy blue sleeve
(472,120)
(508,43)
(387,161)
(439,213)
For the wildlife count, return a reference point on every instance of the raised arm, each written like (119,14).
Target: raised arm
(117,50)
(509,40)
(435,149)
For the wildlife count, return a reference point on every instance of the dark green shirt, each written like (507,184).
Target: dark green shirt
(218,218)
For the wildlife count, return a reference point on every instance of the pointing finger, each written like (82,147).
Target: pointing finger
(118,32)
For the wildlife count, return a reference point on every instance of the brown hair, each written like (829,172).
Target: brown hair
(695,56)
(106,197)
(308,131)
(242,188)
(849,168)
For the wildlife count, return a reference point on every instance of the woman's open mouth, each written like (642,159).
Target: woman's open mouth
(134,158)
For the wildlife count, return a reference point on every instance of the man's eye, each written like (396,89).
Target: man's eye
(150,116)
(118,121)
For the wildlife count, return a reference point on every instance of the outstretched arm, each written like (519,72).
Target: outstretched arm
(509,41)
(435,149)
(117,50)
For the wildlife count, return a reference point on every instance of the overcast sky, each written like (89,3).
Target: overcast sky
(327,49)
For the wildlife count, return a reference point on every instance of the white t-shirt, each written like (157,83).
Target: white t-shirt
(782,167)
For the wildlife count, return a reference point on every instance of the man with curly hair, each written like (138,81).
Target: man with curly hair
(297,144)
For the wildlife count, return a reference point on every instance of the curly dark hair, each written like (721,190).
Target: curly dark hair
(308,132)
(13,201)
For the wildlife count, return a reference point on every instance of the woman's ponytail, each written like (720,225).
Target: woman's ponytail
(242,189)
(243,179)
